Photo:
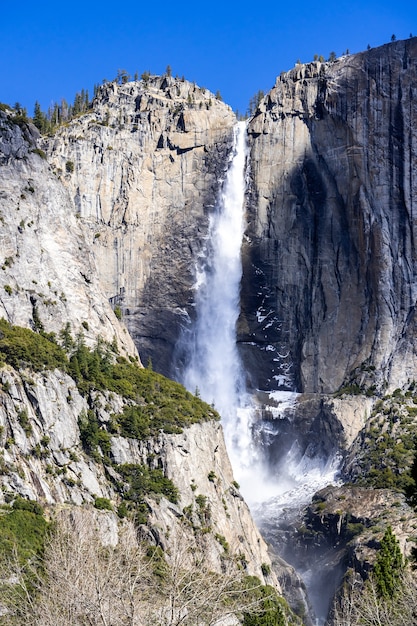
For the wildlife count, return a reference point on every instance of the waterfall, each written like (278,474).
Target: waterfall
(214,369)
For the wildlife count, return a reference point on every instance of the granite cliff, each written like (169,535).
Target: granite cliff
(328,288)
(48,276)
(331,225)
(146,164)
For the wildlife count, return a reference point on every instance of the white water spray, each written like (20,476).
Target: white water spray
(214,366)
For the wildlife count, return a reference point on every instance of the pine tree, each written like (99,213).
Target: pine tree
(389,565)
(40,119)
(255,101)
(67,341)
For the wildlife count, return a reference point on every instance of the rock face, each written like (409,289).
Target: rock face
(341,529)
(146,163)
(48,276)
(114,212)
(331,231)
(328,288)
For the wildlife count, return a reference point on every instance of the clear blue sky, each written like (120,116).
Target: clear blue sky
(50,50)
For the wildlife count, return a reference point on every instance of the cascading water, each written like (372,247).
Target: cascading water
(214,369)
(213,364)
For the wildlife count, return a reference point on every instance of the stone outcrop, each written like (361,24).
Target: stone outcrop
(341,529)
(331,230)
(113,211)
(48,276)
(146,162)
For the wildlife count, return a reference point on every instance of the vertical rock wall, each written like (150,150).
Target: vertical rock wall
(329,283)
(48,275)
(147,160)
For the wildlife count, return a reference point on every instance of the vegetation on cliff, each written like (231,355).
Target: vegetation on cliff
(151,404)
(388,596)
(39,568)
(157,403)
(383,454)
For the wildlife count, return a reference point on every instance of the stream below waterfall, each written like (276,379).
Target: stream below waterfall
(214,370)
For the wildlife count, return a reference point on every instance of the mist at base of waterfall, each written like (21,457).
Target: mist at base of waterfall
(290,482)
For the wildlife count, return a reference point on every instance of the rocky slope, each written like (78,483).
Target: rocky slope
(339,531)
(328,294)
(43,459)
(118,211)
(331,232)
(146,162)
(328,289)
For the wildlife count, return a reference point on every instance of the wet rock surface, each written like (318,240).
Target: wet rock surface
(340,529)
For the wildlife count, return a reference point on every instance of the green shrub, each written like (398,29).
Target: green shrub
(8,290)
(269,608)
(122,510)
(352,390)
(266,569)
(201,501)
(93,437)
(69,167)
(353,529)
(385,456)
(39,152)
(222,541)
(21,347)
(144,481)
(203,511)
(23,418)
(21,504)
(23,529)
(103,504)
(8,262)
